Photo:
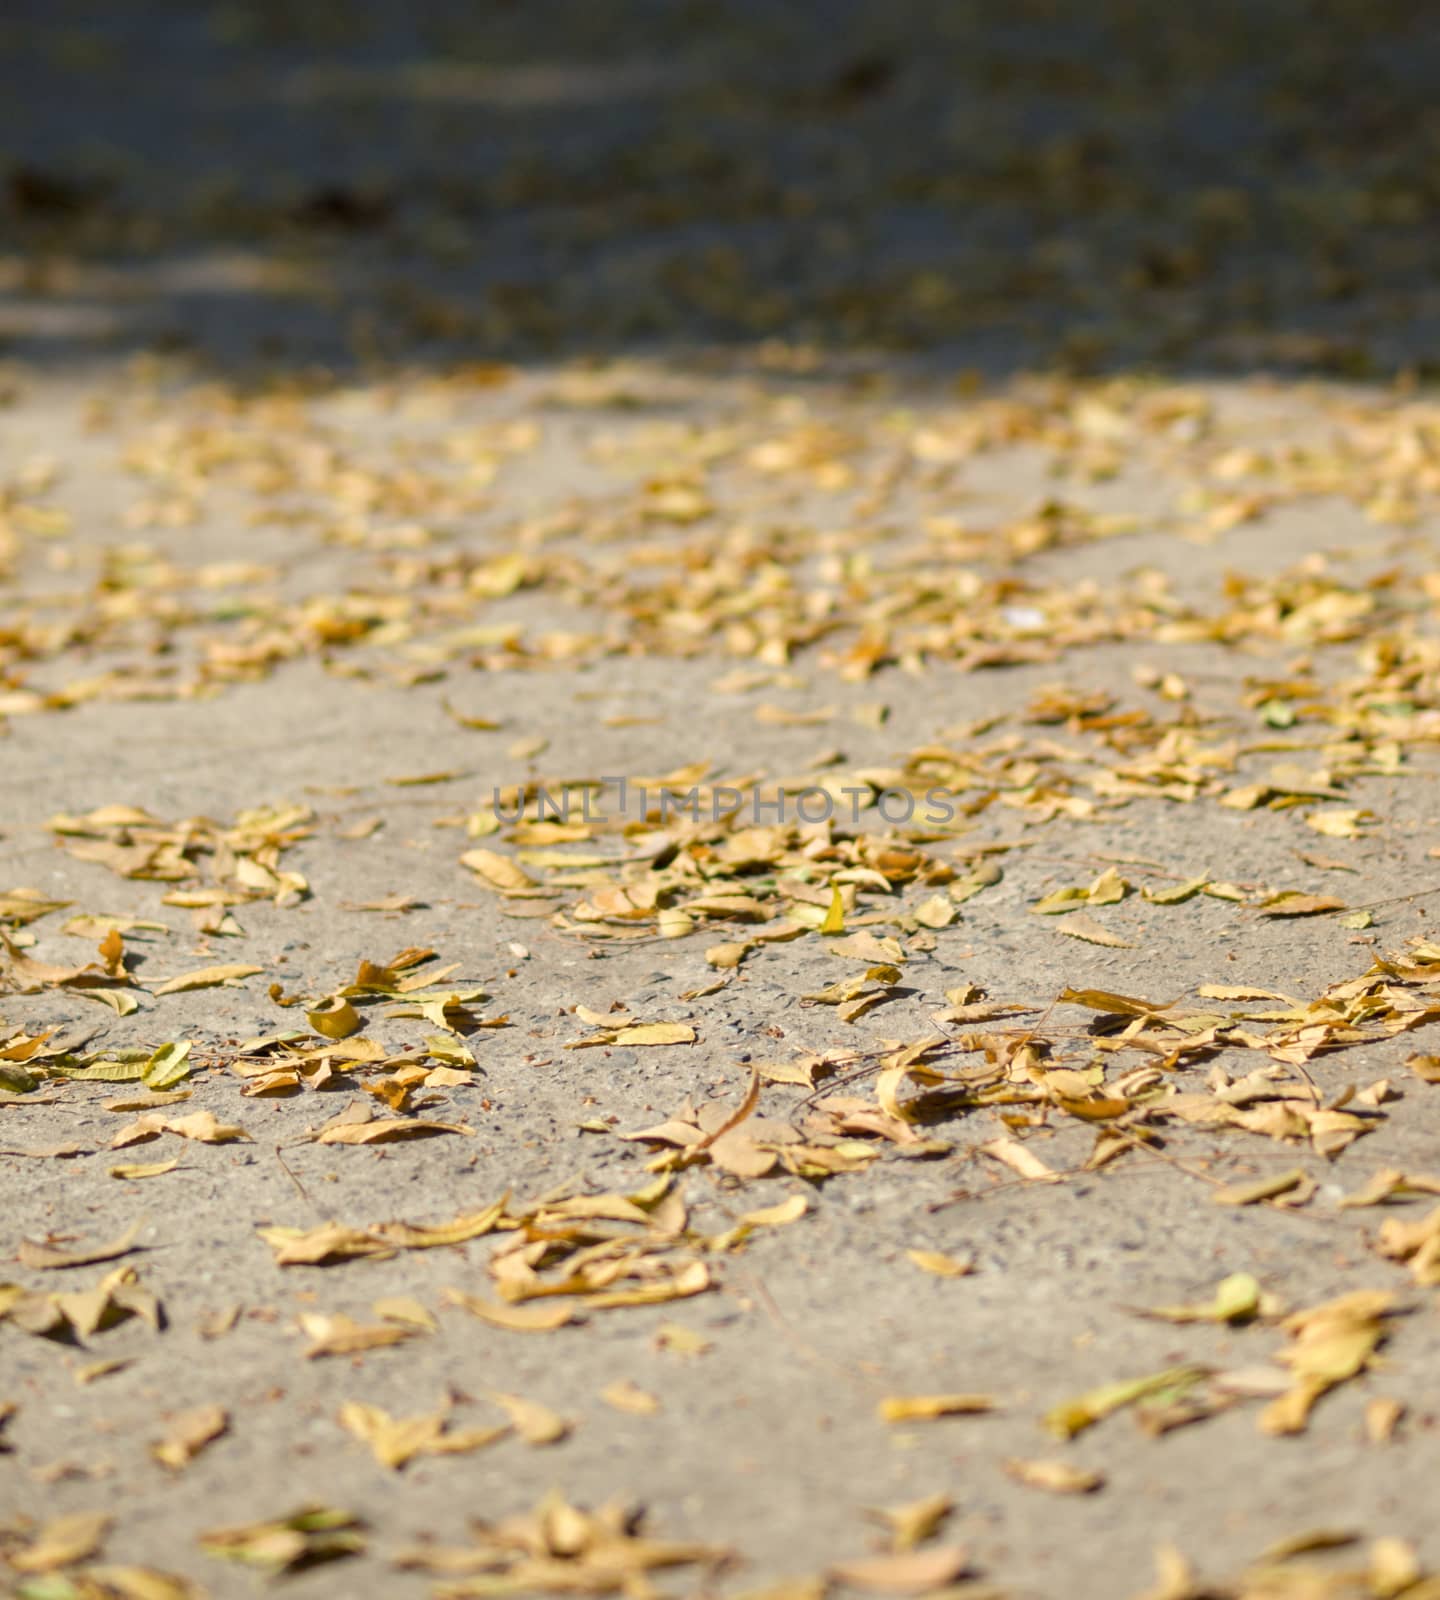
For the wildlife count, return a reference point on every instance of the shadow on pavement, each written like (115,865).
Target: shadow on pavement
(1232,187)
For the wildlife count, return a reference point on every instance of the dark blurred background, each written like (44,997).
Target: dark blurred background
(1224,186)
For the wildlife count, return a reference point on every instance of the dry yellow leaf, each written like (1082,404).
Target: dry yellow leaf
(410,1313)
(1019,1159)
(199,1125)
(338,1335)
(62,1542)
(496,870)
(395,1441)
(1058,1477)
(681,1340)
(936,912)
(652,1033)
(1238,1299)
(207,978)
(1343,822)
(1294,904)
(941,1265)
(1382,1417)
(153,1169)
(314,1534)
(1268,1188)
(912,1524)
(1426,1068)
(777,1216)
(1083,926)
(1332,1343)
(333,1241)
(690,1280)
(1074,1416)
(188,1435)
(516,1319)
(91,1370)
(728,955)
(387,1130)
(334,1018)
(928,1407)
(910,1572)
(534,1423)
(46,1257)
(1244,991)
(629,1397)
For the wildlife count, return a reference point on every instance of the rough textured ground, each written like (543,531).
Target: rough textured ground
(406,407)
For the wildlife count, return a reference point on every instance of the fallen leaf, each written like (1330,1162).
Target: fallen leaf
(1118,1005)
(45,1257)
(1074,1416)
(1389,1184)
(1382,1417)
(626,1396)
(1244,991)
(306,1538)
(395,1441)
(681,1340)
(1178,893)
(167,1066)
(560,1547)
(936,912)
(1084,926)
(62,1542)
(778,1216)
(912,1524)
(1269,1188)
(498,871)
(1331,1343)
(534,1423)
(207,978)
(929,1407)
(1058,1477)
(1293,904)
(335,1334)
(690,1280)
(76,1314)
(1340,822)
(153,1169)
(1020,1160)
(391,903)
(333,1241)
(387,1130)
(334,1018)
(1238,1299)
(91,1370)
(189,1434)
(940,1265)
(910,1572)
(1426,1068)
(653,1033)
(410,1313)
(199,1125)
(515,1319)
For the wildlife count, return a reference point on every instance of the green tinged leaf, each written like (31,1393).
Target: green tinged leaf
(1074,1416)
(1178,893)
(108,1072)
(1059,902)
(168,1065)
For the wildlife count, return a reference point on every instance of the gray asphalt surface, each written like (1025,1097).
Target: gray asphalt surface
(403,403)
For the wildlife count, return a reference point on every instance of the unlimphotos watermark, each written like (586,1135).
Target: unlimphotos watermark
(722,802)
